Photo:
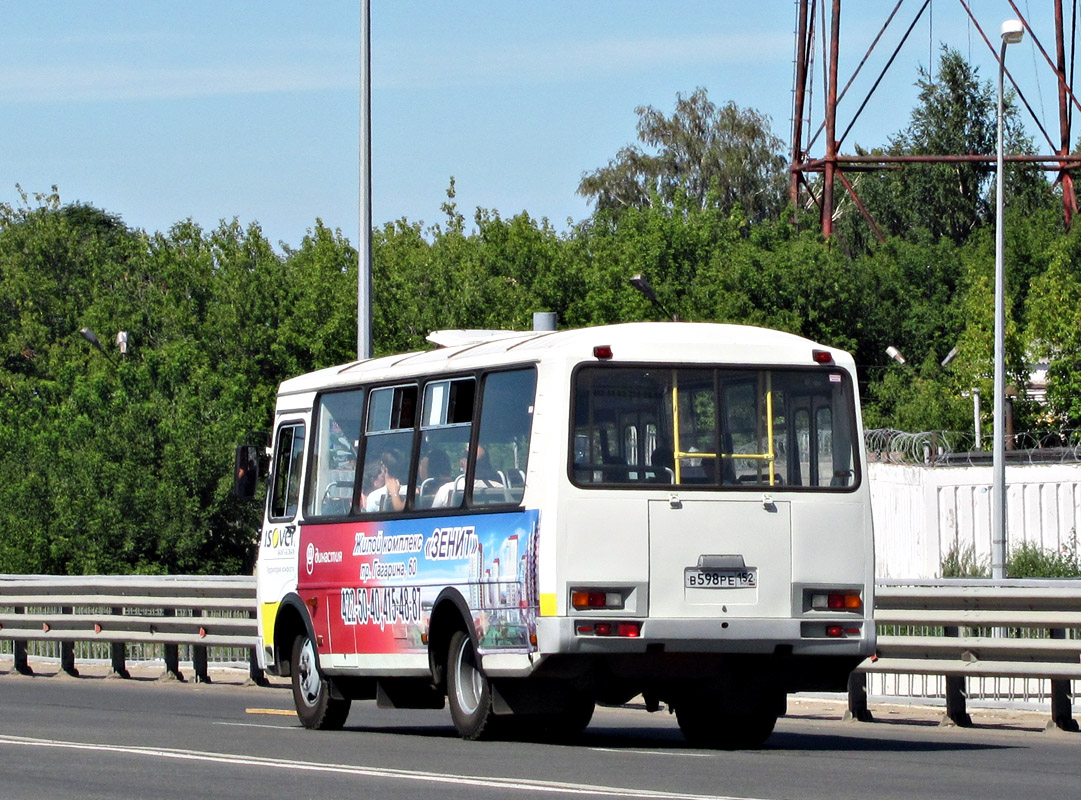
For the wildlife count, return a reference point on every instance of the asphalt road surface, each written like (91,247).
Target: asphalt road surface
(94,737)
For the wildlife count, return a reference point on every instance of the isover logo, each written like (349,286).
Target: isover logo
(280,541)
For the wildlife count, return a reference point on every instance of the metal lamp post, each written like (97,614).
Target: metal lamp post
(1012,33)
(364,244)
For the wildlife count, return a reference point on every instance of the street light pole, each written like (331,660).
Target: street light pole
(364,246)
(1012,33)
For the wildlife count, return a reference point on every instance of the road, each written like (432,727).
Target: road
(100,738)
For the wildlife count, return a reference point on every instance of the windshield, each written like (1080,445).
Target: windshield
(714,427)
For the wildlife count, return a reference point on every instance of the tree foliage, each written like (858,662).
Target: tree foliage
(956,115)
(703,154)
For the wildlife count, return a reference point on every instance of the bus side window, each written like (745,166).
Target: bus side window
(388,449)
(445,425)
(287,467)
(334,457)
(506,422)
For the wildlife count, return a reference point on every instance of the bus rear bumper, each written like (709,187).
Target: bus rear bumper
(815,637)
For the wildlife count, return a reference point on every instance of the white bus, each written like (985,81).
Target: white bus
(527,524)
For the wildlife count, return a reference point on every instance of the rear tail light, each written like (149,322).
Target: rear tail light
(596,598)
(837,601)
(822,356)
(628,630)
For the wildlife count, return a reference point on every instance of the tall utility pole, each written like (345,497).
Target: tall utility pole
(364,246)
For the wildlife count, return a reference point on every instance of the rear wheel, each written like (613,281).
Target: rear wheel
(706,725)
(316,708)
(469,691)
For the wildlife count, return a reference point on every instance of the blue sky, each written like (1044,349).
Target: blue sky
(162,111)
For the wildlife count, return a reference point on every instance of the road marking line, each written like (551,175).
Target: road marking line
(256,725)
(652,752)
(277,712)
(476,781)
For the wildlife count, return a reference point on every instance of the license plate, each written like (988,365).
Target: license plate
(698,578)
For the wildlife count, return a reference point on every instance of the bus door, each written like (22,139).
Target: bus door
(280,541)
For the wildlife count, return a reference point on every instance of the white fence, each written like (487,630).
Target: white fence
(921,513)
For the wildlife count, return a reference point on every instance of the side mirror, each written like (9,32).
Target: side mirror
(246,472)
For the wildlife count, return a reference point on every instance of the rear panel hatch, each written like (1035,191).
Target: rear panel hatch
(709,558)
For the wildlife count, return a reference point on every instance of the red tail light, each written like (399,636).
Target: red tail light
(628,630)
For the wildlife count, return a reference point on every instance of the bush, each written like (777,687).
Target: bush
(1028,560)
(962,562)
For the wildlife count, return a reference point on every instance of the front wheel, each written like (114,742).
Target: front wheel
(469,691)
(316,708)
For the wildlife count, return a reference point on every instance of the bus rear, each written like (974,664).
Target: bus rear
(714,542)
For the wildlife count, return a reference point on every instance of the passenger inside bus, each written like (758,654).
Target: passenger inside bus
(389,496)
(484,477)
(433,472)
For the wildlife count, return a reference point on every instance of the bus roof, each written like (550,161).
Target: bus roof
(632,342)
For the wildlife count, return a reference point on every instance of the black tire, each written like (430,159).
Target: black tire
(469,692)
(705,725)
(316,708)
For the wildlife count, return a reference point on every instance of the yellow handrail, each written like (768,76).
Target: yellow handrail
(769,456)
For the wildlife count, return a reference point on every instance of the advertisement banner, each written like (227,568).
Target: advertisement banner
(371,585)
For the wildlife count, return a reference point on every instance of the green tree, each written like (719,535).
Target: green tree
(1054,328)
(956,114)
(721,156)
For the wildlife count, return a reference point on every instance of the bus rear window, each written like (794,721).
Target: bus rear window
(713,427)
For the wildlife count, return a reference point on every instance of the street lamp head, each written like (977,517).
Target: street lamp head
(640,283)
(1012,31)
(90,336)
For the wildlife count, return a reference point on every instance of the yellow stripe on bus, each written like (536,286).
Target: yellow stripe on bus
(548,605)
(269,614)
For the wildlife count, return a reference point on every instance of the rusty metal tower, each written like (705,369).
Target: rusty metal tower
(833,164)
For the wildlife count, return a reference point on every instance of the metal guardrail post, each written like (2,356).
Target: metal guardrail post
(172,654)
(22,665)
(198,657)
(67,650)
(956,707)
(118,654)
(1061,702)
(857,699)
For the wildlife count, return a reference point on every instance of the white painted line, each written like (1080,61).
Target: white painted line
(476,781)
(257,725)
(680,753)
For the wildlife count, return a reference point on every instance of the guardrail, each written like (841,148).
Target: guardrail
(971,628)
(202,611)
(955,628)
